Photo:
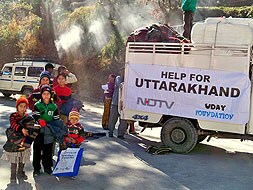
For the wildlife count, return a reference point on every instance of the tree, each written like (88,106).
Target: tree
(16,20)
(168,10)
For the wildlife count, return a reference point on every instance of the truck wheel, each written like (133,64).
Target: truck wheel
(201,138)
(7,95)
(27,91)
(179,134)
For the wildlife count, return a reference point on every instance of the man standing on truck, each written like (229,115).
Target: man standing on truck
(189,8)
(114,113)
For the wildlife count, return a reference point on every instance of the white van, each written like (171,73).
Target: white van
(192,94)
(21,76)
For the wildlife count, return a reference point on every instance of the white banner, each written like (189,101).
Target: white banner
(67,161)
(188,92)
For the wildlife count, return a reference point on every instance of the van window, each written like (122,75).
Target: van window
(35,71)
(20,71)
(7,70)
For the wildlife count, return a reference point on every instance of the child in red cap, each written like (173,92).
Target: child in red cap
(76,132)
(18,159)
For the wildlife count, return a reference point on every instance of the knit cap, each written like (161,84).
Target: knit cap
(74,113)
(45,74)
(46,88)
(21,99)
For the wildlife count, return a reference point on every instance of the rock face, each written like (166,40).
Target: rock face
(230,3)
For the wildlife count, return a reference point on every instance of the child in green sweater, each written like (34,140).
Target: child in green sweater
(46,113)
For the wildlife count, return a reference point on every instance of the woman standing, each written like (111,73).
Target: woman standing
(108,92)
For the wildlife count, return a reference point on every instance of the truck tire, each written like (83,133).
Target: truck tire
(179,134)
(27,91)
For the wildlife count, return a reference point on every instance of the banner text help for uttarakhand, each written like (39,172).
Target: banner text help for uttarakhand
(194,86)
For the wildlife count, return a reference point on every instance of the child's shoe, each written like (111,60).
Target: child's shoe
(48,171)
(21,173)
(36,173)
(13,178)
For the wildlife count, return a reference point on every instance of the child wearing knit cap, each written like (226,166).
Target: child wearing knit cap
(36,95)
(22,156)
(76,132)
(46,113)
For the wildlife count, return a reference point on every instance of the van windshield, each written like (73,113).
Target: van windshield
(7,70)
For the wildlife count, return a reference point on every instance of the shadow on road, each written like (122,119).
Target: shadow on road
(213,165)
(107,164)
(7,101)
(7,106)
(22,185)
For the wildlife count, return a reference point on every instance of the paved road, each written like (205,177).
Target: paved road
(111,163)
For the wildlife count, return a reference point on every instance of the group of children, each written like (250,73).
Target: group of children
(46,113)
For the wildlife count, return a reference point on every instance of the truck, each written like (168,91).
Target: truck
(193,91)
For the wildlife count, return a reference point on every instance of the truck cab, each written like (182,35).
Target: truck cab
(193,90)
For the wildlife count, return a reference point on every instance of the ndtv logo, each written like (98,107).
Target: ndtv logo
(154,102)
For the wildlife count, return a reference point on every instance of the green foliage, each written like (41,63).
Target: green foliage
(16,20)
(16,23)
(112,52)
(241,12)
(8,10)
(82,15)
(102,49)
(96,22)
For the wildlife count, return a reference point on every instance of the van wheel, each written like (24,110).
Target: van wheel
(179,134)
(7,95)
(27,91)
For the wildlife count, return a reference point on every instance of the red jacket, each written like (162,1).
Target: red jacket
(76,132)
(14,119)
(32,99)
(64,93)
